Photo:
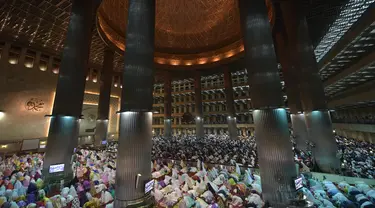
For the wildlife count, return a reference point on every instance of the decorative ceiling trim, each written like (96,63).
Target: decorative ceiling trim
(228,51)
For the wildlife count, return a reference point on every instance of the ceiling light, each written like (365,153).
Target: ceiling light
(43,67)
(13,61)
(55,70)
(29,64)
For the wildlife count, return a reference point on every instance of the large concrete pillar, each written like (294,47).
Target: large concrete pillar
(198,106)
(361,136)
(371,138)
(229,100)
(104,98)
(67,108)
(133,161)
(277,168)
(168,105)
(367,136)
(321,134)
(299,130)
(312,95)
(290,74)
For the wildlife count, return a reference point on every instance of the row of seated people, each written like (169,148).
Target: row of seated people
(357,157)
(194,184)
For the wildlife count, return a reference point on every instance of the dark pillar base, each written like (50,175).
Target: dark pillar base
(146,201)
(101,131)
(135,156)
(320,132)
(62,139)
(199,129)
(299,130)
(232,128)
(276,162)
(167,128)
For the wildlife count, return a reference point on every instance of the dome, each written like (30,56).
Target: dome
(187,32)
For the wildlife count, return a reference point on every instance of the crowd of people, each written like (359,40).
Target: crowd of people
(357,157)
(189,172)
(328,194)
(198,185)
(212,149)
(179,185)
(22,183)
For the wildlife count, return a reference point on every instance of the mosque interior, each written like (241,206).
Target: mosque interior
(139,75)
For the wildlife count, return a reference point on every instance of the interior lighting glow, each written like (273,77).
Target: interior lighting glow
(55,70)
(160,61)
(229,54)
(96,93)
(202,61)
(4,146)
(280,109)
(2,115)
(29,64)
(43,67)
(43,142)
(13,61)
(175,62)
(216,59)
(50,113)
(90,103)
(103,120)
(242,48)
(188,63)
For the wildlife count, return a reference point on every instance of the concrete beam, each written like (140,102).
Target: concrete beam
(355,127)
(362,93)
(362,63)
(357,28)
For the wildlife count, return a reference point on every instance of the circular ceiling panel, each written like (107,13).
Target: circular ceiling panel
(187,32)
